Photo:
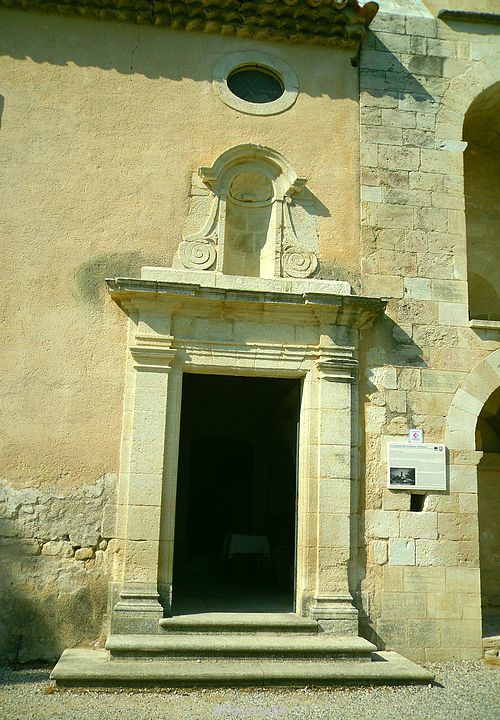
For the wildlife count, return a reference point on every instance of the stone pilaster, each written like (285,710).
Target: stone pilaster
(138,608)
(333,607)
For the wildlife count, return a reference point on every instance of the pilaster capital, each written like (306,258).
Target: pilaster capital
(152,358)
(340,366)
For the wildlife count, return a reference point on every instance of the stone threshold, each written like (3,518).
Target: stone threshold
(238,622)
(263,645)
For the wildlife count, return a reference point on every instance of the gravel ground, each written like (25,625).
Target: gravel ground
(462,690)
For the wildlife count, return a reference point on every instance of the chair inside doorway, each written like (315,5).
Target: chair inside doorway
(235,523)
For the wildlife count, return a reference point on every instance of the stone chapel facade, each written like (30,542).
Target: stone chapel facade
(209,287)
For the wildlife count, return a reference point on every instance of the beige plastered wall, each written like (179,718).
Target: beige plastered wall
(102,127)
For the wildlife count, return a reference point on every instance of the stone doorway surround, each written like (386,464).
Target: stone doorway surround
(206,322)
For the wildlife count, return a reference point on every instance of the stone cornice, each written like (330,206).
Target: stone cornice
(470,16)
(352,310)
(320,22)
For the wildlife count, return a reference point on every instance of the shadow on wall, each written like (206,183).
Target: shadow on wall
(56,554)
(90,276)
(23,624)
(397,348)
(391,348)
(383,75)
(37,621)
(155,53)
(367,631)
(480,28)
(132,49)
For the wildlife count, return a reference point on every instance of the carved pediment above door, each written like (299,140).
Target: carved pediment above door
(254,216)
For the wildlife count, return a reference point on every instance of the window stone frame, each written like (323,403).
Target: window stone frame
(234,61)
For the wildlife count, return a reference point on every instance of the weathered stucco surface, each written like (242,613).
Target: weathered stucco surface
(103,125)
(56,556)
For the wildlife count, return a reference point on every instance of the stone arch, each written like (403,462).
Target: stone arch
(476,473)
(468,402)
(465,93)
(481,133)
(259,158)
(461,93)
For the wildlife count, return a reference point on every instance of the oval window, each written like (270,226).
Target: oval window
(255,84)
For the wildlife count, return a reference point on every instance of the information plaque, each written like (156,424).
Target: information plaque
(416,466)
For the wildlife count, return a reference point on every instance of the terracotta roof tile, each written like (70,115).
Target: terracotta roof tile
(324,22)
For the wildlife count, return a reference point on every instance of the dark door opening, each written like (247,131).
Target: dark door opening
(235,525)
(488,479)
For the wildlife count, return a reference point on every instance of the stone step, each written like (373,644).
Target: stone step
(491,647)
(93,668)
(225,622)
(270,645)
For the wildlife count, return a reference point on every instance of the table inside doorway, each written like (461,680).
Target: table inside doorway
(235,544)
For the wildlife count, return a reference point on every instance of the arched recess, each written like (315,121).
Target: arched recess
(463,89)
(464,113)
(468,403)
(252,183)
(251,229)
(473,424)
(482,203)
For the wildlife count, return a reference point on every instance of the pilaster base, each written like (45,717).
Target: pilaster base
(137,611)
(165,593)
(335,614)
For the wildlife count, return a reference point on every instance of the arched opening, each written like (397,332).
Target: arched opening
(482,203)
(488,440)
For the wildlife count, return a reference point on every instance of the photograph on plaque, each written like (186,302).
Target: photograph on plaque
(401,476)
(416,466)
